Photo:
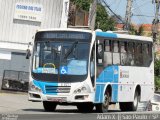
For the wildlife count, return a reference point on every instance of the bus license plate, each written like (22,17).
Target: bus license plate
(57,99)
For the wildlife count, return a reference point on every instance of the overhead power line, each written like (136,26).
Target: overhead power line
(143,15)
(139,11)
(139,6)
(106,5)
(117,7)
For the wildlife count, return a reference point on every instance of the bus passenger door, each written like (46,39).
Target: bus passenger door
(99,69)
(99,58)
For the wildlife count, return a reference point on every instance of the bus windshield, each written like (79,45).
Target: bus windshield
(60,58)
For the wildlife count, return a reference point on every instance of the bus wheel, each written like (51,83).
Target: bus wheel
(103,107)
(130,106)
(85,107)
(49,106)
(134,104)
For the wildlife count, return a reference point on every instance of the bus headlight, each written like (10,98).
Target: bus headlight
(83,89)
(34,88)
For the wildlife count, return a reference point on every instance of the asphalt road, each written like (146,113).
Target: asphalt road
(156,98)
(17,107)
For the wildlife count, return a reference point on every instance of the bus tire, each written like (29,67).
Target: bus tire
(134,104)
(130,106)
(103,107)
(85,107)
(49,106)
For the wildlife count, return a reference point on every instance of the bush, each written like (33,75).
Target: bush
(157,74)
(157,82)
(157,67)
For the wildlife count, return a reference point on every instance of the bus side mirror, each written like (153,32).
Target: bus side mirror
(28,53)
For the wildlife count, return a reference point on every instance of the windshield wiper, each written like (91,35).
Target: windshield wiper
(71,49)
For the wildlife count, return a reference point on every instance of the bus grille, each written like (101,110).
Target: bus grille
(57,89)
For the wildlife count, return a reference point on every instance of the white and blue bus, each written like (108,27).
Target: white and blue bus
(91,68)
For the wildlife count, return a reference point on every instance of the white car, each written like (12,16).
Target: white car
(155,103)
(155,106)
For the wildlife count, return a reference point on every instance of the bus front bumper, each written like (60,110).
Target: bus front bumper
(61,98)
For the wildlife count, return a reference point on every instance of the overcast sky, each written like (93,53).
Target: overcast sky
(140,7)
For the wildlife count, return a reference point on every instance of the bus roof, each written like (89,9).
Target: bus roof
(123,36)
(64,29)
(103,34)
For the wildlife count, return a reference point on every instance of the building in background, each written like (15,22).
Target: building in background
(19,20)
(78,17)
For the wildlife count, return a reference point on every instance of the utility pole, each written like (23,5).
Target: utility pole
(155,21)
(128,15)
(92,15)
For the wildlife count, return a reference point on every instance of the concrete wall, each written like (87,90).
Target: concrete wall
(16,33)
(21,31)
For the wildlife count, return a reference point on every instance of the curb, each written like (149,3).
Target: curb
(13,92)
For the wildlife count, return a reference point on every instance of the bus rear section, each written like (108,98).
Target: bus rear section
(125,70)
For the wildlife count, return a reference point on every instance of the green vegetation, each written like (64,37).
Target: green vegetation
(82,4)
(157,82)
(103,20)
(157,73)
(134,31)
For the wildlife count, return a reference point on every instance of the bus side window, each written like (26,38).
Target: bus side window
(147,54)
(150,46)
(124,53)
(100,54)
(138,55)
(116,52)
(130,54)
(108,53)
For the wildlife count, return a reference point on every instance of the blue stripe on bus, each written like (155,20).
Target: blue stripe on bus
(42,86)
(105,34)
(99,92)
(108,75)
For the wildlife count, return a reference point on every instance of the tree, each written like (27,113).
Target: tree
(76,6)
(117,20)
(103,21)
(134,31)
(157,73)
(140,30)
(82,4)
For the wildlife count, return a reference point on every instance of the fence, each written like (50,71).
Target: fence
(15,80)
